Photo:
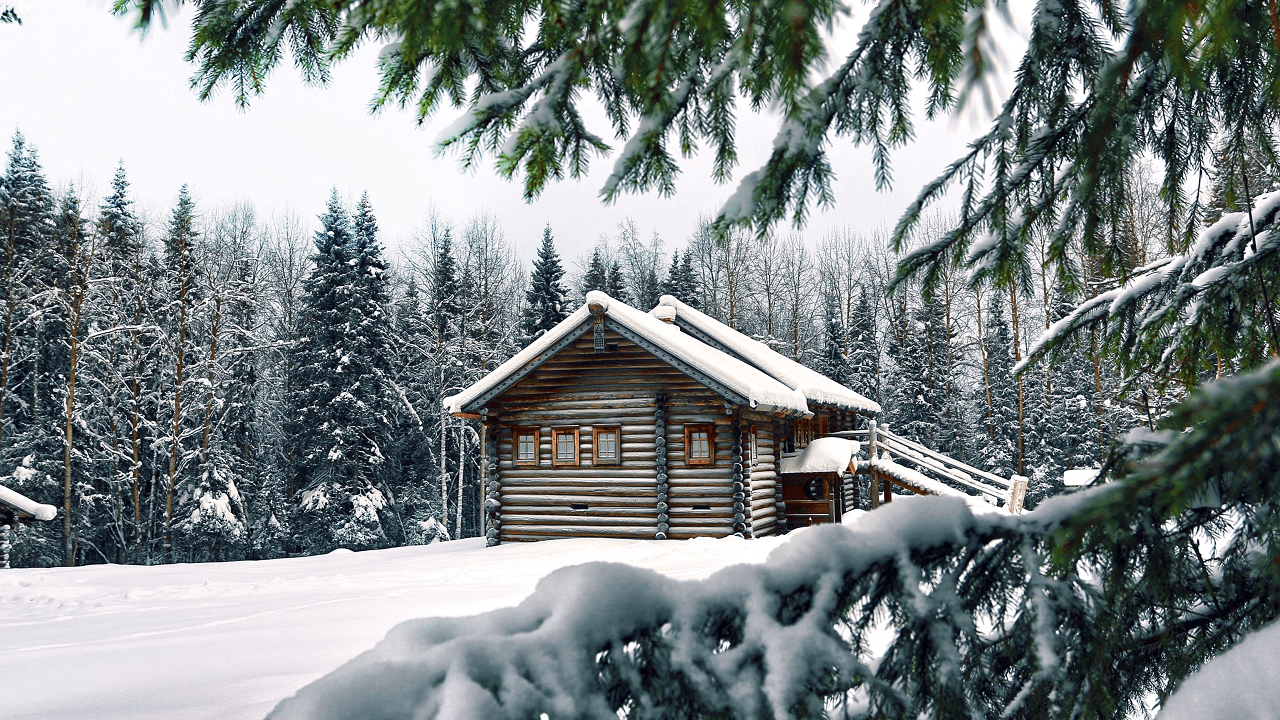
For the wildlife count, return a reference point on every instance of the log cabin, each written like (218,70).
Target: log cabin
(666,424)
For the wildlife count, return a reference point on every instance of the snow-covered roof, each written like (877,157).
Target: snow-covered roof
(812,384)
(823,455)
(26,505)
(759,389)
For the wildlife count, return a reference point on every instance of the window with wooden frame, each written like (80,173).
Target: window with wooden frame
(755,447)
(526,445)
(700,444)
(564,446)
(606,444)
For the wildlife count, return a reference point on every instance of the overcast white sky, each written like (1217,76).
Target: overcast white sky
(89,92)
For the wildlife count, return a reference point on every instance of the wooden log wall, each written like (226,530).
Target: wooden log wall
(764,480)
(700,496)
(582,389)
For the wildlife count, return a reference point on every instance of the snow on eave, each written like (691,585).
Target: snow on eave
(812,384)
(822,455)
(24,504)
(762,391)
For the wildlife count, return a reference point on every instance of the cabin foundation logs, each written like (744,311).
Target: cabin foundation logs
(660,464)
(492,503)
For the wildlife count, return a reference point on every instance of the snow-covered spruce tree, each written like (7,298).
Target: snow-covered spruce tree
(27,209)
(911,408)
(27,452)
(996,434)
(175,321)
(682,280)
(345,401)
(616,285)
(596,276)
(832,360)
(1078,441)
(115,354)
(950,431)
(864,349)
(546,296)
(30,436)
(62,445)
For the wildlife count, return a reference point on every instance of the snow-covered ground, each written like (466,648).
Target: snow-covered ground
(231,640)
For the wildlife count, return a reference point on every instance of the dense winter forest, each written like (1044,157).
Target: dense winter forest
(210,384)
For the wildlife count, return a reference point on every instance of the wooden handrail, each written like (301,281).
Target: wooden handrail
(950,461)
(1010,491)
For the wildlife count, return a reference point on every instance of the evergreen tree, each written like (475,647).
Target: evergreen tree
(177,321)
(1071,436)
(997,442)
(446,301)
(863,361)
(950,432)
(833,361)
(910,411)
(345,402)
(27,210)
(545,298)
(616,286)
(596,277)
(686,289)
(36,453)
(118,224)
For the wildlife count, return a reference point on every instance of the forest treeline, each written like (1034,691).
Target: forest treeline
(211,384)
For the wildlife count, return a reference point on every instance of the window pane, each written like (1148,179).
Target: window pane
(607,445)
(699,446)
(526,448)
(564,446)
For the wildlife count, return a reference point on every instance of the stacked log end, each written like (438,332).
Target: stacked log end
(660,465)
(493,502)
(740,487)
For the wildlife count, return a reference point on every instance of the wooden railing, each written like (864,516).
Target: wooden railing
(883,446)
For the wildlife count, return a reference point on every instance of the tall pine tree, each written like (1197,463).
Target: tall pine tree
(345,399)
(545,298)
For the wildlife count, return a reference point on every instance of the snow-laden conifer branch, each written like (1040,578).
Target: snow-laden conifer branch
(1181,307)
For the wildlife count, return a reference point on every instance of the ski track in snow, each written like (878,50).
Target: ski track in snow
(230,640)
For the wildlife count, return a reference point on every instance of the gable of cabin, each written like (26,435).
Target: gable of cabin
(623,443)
